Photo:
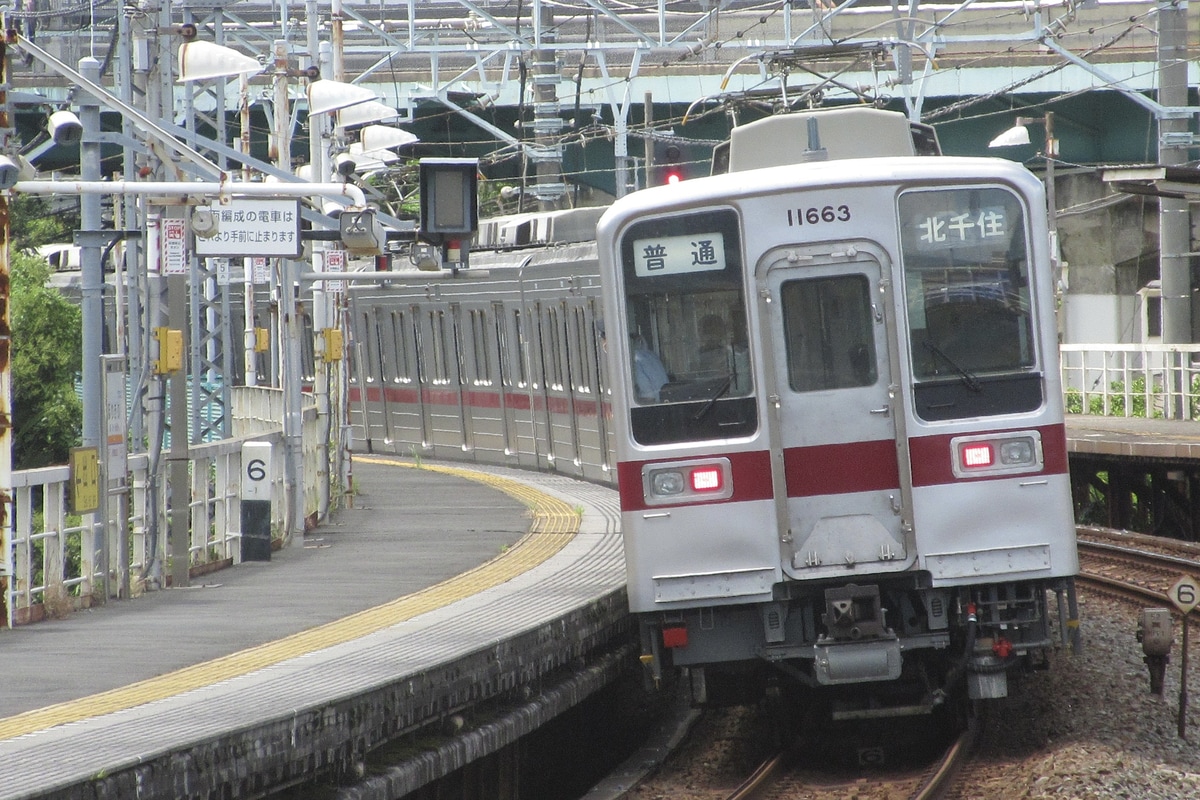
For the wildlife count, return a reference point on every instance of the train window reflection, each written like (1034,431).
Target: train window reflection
(966,283)
(828,331)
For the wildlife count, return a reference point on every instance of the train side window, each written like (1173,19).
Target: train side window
(437,326)
(582,368)
(553,339)
(401,349)
(371,322)
(829,333)
(518,340)
(481,353)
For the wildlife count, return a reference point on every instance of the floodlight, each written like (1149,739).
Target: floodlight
(362,113)
(381,137)
(199,60)
(326,95)
(10,172)
(1016,135)
(65,128)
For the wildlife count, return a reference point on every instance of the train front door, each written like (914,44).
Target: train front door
(833,421)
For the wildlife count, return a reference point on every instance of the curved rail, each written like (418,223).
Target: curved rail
(933,782)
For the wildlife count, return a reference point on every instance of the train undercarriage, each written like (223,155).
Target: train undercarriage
(867,651)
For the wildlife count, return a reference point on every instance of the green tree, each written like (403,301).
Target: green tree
(46,356)
(33,223)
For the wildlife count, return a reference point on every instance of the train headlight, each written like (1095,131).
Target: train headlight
(666,482)
(996,454)
(684,481)
(1017,451)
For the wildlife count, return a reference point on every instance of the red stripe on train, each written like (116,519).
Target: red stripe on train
(844,468)
(751,478)
(477,399)
(932,465)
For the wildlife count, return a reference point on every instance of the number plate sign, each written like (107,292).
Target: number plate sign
(1185,594)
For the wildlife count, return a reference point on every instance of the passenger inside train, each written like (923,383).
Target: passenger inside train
(649,374)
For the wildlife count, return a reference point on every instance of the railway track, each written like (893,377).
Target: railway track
(779,777)
(1132,566)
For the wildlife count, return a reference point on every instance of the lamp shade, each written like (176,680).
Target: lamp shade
(326,95)
(381,137)
(362,113)
(1012,137)
(199,61)
(370,160)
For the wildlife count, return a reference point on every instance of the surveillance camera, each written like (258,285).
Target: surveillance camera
(344,164)
(65,128)
(10,172)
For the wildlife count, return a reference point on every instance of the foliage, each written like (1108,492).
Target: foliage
(33,224)
(46,356)
(1138,399)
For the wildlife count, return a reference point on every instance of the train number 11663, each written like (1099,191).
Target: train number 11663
(815,215)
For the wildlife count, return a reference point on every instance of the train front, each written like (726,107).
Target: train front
(839,430)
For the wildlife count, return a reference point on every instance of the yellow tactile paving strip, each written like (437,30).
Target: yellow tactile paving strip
(553,525)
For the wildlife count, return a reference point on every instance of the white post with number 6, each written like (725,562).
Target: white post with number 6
(1185,594)
(257,473)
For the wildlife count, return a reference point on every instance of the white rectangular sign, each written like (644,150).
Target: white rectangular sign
(675,255)
(254,227)
(335,261)
(260,270)
(174,246)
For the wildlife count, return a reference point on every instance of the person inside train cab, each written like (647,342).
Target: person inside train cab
(649,374)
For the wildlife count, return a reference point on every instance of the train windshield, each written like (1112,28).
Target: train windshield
(689,369)
(966,273)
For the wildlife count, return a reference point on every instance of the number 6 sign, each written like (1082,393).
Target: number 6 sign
(256,501)
(1185,594)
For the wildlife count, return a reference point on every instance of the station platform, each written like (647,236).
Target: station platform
(1133,437)
(261,674)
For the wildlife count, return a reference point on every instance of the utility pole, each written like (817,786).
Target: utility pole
(1174,227)
(547,124)
(1174,224)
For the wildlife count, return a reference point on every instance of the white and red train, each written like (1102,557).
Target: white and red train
(825,384)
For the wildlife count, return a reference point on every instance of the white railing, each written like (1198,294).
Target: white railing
(58,561)
(1157,381)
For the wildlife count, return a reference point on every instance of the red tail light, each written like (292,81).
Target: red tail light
(707,479)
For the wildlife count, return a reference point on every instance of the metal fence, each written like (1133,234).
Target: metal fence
(1156,381)
(58,562)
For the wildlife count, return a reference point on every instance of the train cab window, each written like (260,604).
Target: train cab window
(689,373)
(829,333)
(970,317)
